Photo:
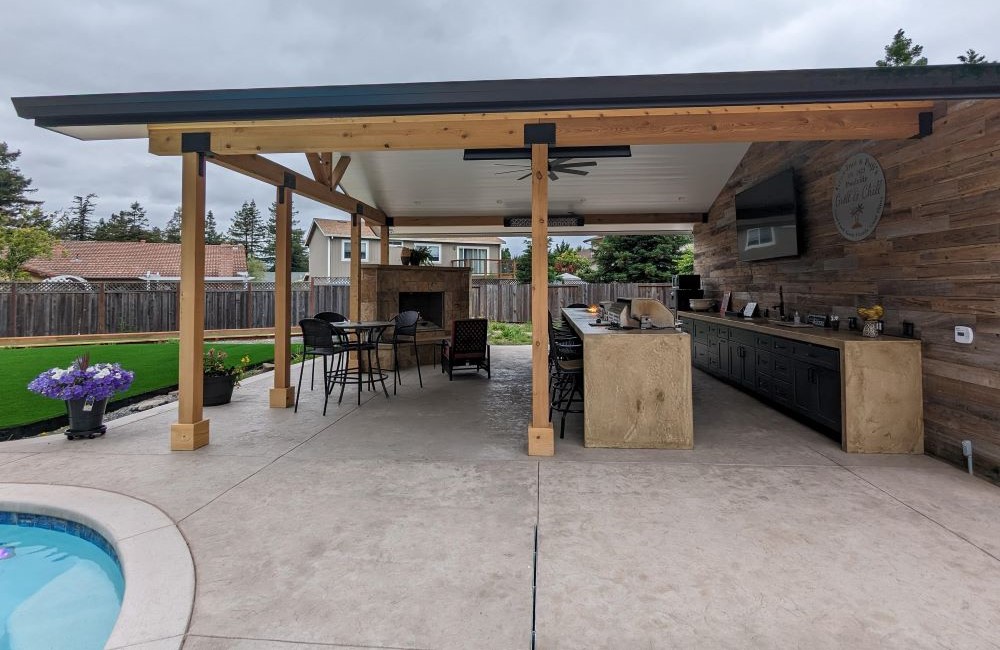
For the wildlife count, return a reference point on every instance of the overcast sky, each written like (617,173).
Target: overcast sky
(87,46)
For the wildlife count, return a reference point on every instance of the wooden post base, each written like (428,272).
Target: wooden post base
(282,398)
(541,441)
(188,437)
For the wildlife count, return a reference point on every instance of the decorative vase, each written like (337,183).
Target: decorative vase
(218,389)
(870,329)
(86,420)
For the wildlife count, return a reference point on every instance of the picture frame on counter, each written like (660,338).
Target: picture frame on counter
(724,305)
(749,310)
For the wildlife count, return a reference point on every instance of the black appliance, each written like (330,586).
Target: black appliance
(767,219)
(687,282)
(680,299)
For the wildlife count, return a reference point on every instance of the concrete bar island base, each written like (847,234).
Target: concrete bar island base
(636,384)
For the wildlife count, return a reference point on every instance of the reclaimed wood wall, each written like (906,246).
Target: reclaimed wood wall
(934,259)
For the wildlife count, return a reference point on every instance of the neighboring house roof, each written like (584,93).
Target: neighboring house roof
(342,228)
(97,260)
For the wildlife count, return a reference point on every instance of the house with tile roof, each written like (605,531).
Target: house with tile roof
(135,260)
(329,242)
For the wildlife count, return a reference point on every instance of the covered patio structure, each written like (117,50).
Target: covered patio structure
(399,149)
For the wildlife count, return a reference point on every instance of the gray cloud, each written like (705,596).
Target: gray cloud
(58,47)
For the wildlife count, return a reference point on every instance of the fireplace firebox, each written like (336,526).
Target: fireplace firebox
(430,304)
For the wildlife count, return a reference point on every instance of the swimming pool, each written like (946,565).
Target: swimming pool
(60,584)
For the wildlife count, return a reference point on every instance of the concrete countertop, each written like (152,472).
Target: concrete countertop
(817,335)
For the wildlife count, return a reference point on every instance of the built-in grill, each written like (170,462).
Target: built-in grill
(637,312)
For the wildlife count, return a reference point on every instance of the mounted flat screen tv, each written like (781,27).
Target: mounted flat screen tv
(767,219)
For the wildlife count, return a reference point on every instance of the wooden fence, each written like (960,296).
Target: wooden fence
(53,309)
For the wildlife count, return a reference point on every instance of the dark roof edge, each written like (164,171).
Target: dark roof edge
(835,85)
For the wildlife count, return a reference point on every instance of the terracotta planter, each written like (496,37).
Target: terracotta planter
(85,422)
(218,389)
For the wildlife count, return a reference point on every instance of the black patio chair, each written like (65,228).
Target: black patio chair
(405,331)
(331,317)
(319,340)
(467,348)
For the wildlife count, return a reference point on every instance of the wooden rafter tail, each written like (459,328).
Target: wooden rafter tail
(319,169)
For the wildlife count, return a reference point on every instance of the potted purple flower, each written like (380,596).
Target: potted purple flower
(85,389)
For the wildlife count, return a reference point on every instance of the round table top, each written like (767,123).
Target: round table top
(361,324)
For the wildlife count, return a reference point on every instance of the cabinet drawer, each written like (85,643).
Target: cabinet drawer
(763,342)
(686,326)
(826,357)
(764,386)
(781,391)
(746,337)
(724,332)
(781,346)
(713,331)
(764,362)
(701,355)
(781,367)
(701,330)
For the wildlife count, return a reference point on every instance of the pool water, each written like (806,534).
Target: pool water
(57,590)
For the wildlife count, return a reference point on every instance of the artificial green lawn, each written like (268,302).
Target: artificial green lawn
(154,365)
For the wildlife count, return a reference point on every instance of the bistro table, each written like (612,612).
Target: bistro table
(361,337)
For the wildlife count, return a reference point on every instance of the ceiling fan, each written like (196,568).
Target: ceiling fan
(560,165)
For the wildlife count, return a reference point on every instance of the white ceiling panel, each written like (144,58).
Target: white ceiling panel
(660,178)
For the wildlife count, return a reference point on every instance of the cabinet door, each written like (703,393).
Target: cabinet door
(734,367)
(748,366)
(805,397)
(828,397)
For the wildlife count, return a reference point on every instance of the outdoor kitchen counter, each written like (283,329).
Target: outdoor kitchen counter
(637,386)
(881,382)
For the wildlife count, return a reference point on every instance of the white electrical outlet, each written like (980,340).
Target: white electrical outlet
(963,334)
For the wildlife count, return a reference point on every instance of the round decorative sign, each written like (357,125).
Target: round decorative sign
(858,197)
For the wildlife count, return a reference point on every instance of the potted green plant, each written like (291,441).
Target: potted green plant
(220,378)
(420,255)
(86,389)
(404,255)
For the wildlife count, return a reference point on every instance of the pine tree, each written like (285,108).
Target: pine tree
(902,52)
(172,231)
(30,218)
(249,228)
(212,234)
(14,187)
(300,254)
(126,225)
(638,258)
(972,57)
(75,223)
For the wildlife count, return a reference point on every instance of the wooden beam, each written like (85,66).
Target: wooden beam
(541,439)
(273,173)
(191,429)
(354,308)
(762,123)
(337,174)
(283,393)
(383,247)
(319,169)
(589,219)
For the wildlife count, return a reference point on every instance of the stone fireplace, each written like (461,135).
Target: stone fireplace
(440,294)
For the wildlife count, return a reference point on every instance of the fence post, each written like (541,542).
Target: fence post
(312,295)
(248,309)
(102,309)
(12,310)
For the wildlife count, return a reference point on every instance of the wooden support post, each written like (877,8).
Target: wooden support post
(541,441)
(191,429)
(383,245)
(354,308)
(102,308)
(283,394)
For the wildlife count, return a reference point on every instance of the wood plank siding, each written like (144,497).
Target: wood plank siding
(934,259)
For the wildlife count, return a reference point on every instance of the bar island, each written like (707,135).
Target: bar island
(636,384)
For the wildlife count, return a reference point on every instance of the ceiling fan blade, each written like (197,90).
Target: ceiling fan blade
(585,163)
(513,171)
(521,178)
(556,162)
(575,172)
(510,165)
(552,175)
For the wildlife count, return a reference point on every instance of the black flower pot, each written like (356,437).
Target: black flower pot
(218,389)
(85,422)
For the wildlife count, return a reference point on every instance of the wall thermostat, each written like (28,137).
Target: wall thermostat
(963,334)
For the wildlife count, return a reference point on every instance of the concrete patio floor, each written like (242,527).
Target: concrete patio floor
(410,523)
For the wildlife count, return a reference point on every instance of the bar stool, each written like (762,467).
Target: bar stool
(405,331)
(318,340)
(365,341)
(566,361)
